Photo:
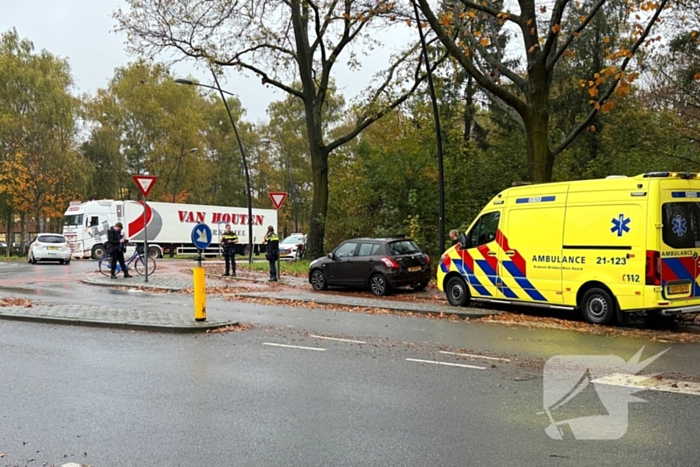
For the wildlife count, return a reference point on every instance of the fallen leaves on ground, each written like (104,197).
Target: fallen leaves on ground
(15,302)
(351,308)
(232,328)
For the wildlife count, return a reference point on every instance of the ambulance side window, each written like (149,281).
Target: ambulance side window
(484,231)
(681,225)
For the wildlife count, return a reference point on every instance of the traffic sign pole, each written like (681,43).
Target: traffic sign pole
(145,236)
(145,184)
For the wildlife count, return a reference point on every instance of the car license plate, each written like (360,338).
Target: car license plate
(679,289)
(414,269)
(53,248)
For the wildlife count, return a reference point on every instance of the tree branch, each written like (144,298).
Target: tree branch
(604,97)
(366,121)
(567,42)
(554,27)
(467,63)
(491,11)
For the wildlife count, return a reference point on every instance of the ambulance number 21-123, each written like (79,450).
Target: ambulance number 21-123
(616,261)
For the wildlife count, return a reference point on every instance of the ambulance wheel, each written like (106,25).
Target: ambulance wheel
(597,306)
(457,292)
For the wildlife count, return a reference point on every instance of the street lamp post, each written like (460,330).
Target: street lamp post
(179,163)
(438,134)
(291,182)
(240,146)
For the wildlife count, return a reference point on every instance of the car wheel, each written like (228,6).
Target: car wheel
(457,292)
(33,259)
(67,262)
(597,306)
(378,285)
(420,286)
(98,251)
(318,280)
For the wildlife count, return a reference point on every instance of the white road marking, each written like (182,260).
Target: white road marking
(337,339)
(293,346)
(446,363)
(652,384)
(476,356)
(73,464)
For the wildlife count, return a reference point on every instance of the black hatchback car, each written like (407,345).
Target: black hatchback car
(378,263)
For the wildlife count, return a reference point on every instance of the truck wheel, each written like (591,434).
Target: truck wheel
(457,292)
(246,251)
(597,306)
(98,251)
(154,252)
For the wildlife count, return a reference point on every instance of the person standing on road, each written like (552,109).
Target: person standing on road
(117,244)
(229,240)
(454,236)
(273,251)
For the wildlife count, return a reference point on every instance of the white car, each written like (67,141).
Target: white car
(293,246)
(49,247)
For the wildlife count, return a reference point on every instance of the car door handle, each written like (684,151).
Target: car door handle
(492,253)
(510,253)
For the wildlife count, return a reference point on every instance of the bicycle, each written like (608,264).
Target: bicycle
(137,258)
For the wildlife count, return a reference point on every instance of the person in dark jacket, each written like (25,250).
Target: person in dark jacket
(273,251)
(116,246)
(229,240)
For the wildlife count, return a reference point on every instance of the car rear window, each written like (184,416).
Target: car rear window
(681,225)
(51,239)
(403,247)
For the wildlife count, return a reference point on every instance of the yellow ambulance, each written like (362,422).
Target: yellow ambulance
(604,247)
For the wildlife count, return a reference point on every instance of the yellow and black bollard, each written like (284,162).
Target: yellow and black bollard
(200,291)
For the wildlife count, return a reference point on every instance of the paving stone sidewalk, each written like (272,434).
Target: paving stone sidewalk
(396,305)
(102,316)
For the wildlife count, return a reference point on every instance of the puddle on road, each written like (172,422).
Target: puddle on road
(39,292)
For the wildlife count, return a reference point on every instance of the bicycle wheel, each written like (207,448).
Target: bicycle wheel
(141,267)
(105,265)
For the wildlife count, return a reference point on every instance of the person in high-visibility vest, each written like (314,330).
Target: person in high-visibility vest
(229,240)
(273,251)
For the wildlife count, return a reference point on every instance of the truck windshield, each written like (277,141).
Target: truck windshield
(681,225)
(75,219)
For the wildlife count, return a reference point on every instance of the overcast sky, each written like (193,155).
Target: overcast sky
(81,31)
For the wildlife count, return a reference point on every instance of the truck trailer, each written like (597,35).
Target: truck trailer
(169,225)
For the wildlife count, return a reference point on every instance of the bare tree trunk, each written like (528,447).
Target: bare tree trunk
(23,233)
(319,206)
(539,156)
(10,235)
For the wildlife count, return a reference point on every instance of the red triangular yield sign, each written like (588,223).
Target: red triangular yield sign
(277,198)
(145,183)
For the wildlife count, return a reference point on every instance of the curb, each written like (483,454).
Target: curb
(195,327)
(133,285)
(464,313)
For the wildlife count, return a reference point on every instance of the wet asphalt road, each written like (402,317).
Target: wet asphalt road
(144,399)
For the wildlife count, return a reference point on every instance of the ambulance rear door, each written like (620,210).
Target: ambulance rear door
(680,238)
